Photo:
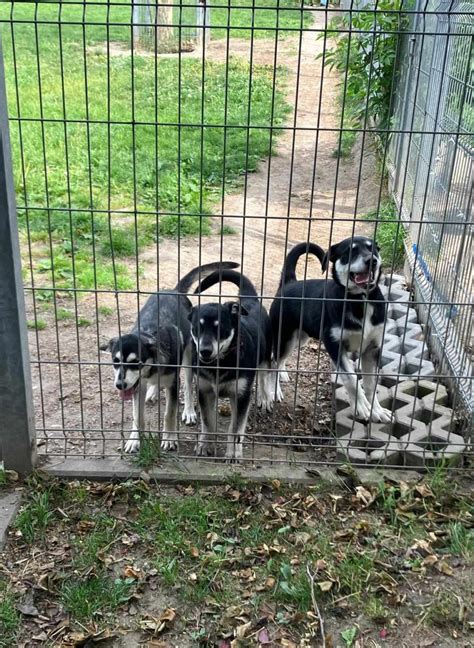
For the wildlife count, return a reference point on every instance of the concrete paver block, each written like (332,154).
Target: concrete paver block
(359,446)
(433,447)
(428,391)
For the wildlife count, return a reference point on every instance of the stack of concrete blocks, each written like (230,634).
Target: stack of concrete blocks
(422,429)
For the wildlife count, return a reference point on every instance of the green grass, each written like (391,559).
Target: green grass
(63,314)
(69,172)
(149,451)
(35,516)
(228,230)
(38,324)
(461,541)
(9,617)
(105,310)
(237,549)
(264,18)
(389,233)
(88,548)
(97,595)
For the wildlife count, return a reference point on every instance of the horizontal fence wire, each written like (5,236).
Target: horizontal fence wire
(151,138)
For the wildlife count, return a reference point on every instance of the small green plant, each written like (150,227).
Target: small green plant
(461,541)
(349,635)
(228,230)
(37,324)
(294,587)
(83,321)
(149,451)
(35,516)
(88,548)
(444,609)
(173,225)
(365,51)
(9,617)
(64,314)
(105,310)
(119,243)
(375,610)
(389,233)
(95,596)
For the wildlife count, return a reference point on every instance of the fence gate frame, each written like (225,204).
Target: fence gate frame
(17,426)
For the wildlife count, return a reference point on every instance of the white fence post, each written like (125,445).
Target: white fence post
(17,431)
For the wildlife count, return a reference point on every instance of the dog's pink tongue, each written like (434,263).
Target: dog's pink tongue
(362,277)
(126,394)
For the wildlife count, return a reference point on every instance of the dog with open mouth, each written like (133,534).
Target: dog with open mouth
(346,313)
(231,341)
(150,355)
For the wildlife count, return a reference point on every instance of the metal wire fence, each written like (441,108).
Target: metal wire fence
(287,124)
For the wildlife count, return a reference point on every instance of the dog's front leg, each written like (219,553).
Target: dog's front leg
(240,405)
(189,413)
(138,405)
(346,372)
(370,363)
(208,408)
(169,440)
(266,394)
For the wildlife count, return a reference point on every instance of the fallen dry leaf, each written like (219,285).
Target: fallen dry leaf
(443,567)
(325,586)
(169,615)
(242,630)
(364,495)
(424,490)
(131,572)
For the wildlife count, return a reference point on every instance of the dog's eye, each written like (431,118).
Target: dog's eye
(216,323)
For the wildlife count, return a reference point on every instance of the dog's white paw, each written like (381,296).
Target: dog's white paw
(362,410)
(381,414)
(133,443)
(279,394)
(265,402)
(189,416)
(234,455)
(284,376)
(205,449)
(151,394)
(169,441)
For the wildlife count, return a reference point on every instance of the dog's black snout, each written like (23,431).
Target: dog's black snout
(205,352)
(120,384)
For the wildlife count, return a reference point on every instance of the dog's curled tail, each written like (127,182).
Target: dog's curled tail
(201,272)
(289,269)
(246,288)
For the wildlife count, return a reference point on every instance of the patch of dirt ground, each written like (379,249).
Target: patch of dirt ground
(302,192)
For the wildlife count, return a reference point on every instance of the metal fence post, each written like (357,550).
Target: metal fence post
(17,431)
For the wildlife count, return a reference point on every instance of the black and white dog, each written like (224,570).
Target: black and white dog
(150,356)
(230,341)
(316,309)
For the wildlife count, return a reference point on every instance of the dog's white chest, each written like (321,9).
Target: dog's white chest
(357,340)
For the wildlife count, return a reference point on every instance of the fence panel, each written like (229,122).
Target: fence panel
(432,176)
(135,161)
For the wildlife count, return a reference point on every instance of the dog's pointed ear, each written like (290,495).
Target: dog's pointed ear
(149,342)
(236,308)
(107,346)
(329,257)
